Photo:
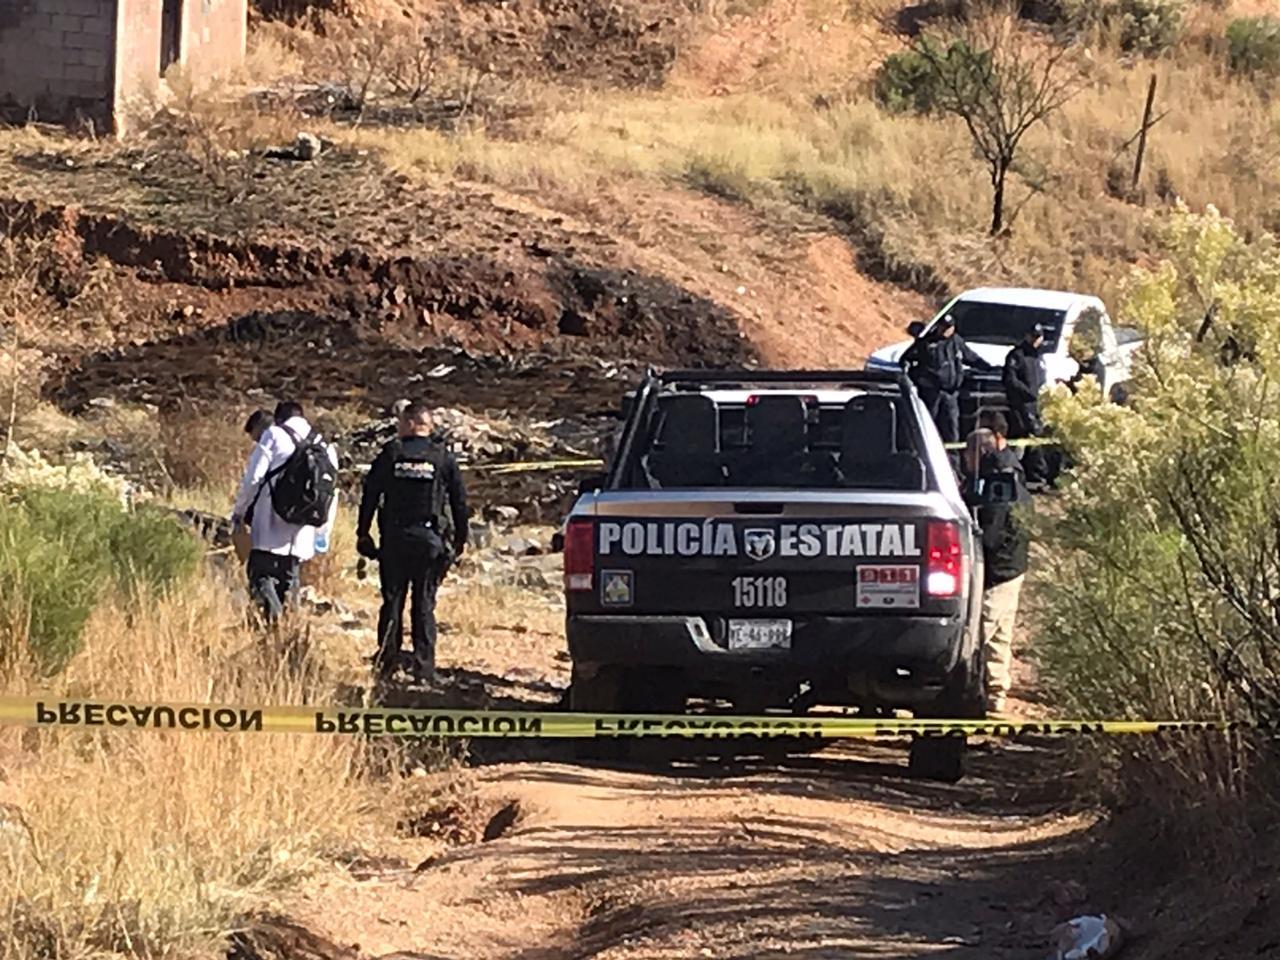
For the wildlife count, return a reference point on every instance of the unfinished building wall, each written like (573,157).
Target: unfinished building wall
(203,38)
(138,55)
(56,60)
(216,33)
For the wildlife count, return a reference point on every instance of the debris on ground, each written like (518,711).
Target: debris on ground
(1087,938)
(477,441)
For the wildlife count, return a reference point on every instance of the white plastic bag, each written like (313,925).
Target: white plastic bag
(1087,938)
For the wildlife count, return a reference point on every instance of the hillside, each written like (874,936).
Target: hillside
(509,208)
(694,184)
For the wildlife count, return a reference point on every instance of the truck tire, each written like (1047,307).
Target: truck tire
(614,689)
(937,758)
(599,693)
(965,696)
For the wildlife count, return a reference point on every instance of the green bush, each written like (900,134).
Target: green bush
(911,81)
(61,549)
(1253,45)
(906,82)
(1163,554)
(1149,27)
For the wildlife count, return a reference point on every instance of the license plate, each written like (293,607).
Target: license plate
(759,634)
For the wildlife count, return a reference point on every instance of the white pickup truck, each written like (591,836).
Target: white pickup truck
(993,319)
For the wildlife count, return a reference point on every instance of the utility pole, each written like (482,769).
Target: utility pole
(1142,133)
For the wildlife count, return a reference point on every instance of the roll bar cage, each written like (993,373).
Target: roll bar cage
(655,382)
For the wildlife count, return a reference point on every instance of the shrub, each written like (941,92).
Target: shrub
(1161,565)
(1253,45)
(910,81)
(60,549)
(720,177)
(906,83)
(1149,27)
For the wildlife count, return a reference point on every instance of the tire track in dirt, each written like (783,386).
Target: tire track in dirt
(837,853)
(834,855)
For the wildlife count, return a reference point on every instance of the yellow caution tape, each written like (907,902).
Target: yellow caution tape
(1022,442)
(405,721)
(528,467)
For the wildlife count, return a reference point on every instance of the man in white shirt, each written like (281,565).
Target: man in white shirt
(277,547)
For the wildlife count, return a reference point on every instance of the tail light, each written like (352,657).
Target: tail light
(944,566)
(579,554)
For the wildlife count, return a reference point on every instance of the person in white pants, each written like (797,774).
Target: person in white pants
(277,548)
(1005,545)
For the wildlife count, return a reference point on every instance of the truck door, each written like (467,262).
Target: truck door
(1114,361)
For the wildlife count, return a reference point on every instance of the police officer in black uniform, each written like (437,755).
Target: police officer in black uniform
(1023,378)
(407,487)
(936,363)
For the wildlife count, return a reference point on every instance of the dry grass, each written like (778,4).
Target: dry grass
(472,609)
(204,450)
(817,136)
(155,843)
(928,196)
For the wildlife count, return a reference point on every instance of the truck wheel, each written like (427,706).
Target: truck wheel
(965,696)
(601,693)
(937,758)
(614,689)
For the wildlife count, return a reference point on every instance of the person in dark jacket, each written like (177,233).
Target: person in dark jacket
(409,485)
(1005,455)
(936,364)
(1023,378)
(1005,546)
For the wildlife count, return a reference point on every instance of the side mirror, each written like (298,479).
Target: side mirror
(915,328)
(592,483)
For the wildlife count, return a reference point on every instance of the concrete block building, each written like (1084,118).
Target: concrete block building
(88,61)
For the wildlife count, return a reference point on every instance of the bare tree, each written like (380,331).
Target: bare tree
(1001,79)
(412,62)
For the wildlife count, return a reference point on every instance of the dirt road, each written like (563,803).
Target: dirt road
(835,854)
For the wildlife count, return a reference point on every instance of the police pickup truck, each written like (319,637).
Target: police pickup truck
(993,319)
(776,540)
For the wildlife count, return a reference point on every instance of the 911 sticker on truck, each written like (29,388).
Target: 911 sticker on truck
(887,586)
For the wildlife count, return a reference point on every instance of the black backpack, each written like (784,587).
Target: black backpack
(305,484)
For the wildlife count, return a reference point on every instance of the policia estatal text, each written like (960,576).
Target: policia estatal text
(407,487)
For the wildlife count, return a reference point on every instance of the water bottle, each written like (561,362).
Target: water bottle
(322,540)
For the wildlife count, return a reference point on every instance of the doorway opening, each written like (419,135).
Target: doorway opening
(170,34)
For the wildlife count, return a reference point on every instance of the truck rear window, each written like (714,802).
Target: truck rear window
(777,440)
(1004,323)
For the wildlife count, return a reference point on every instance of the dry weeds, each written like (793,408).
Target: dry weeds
(156,843)
(1216,144)
(819,138)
